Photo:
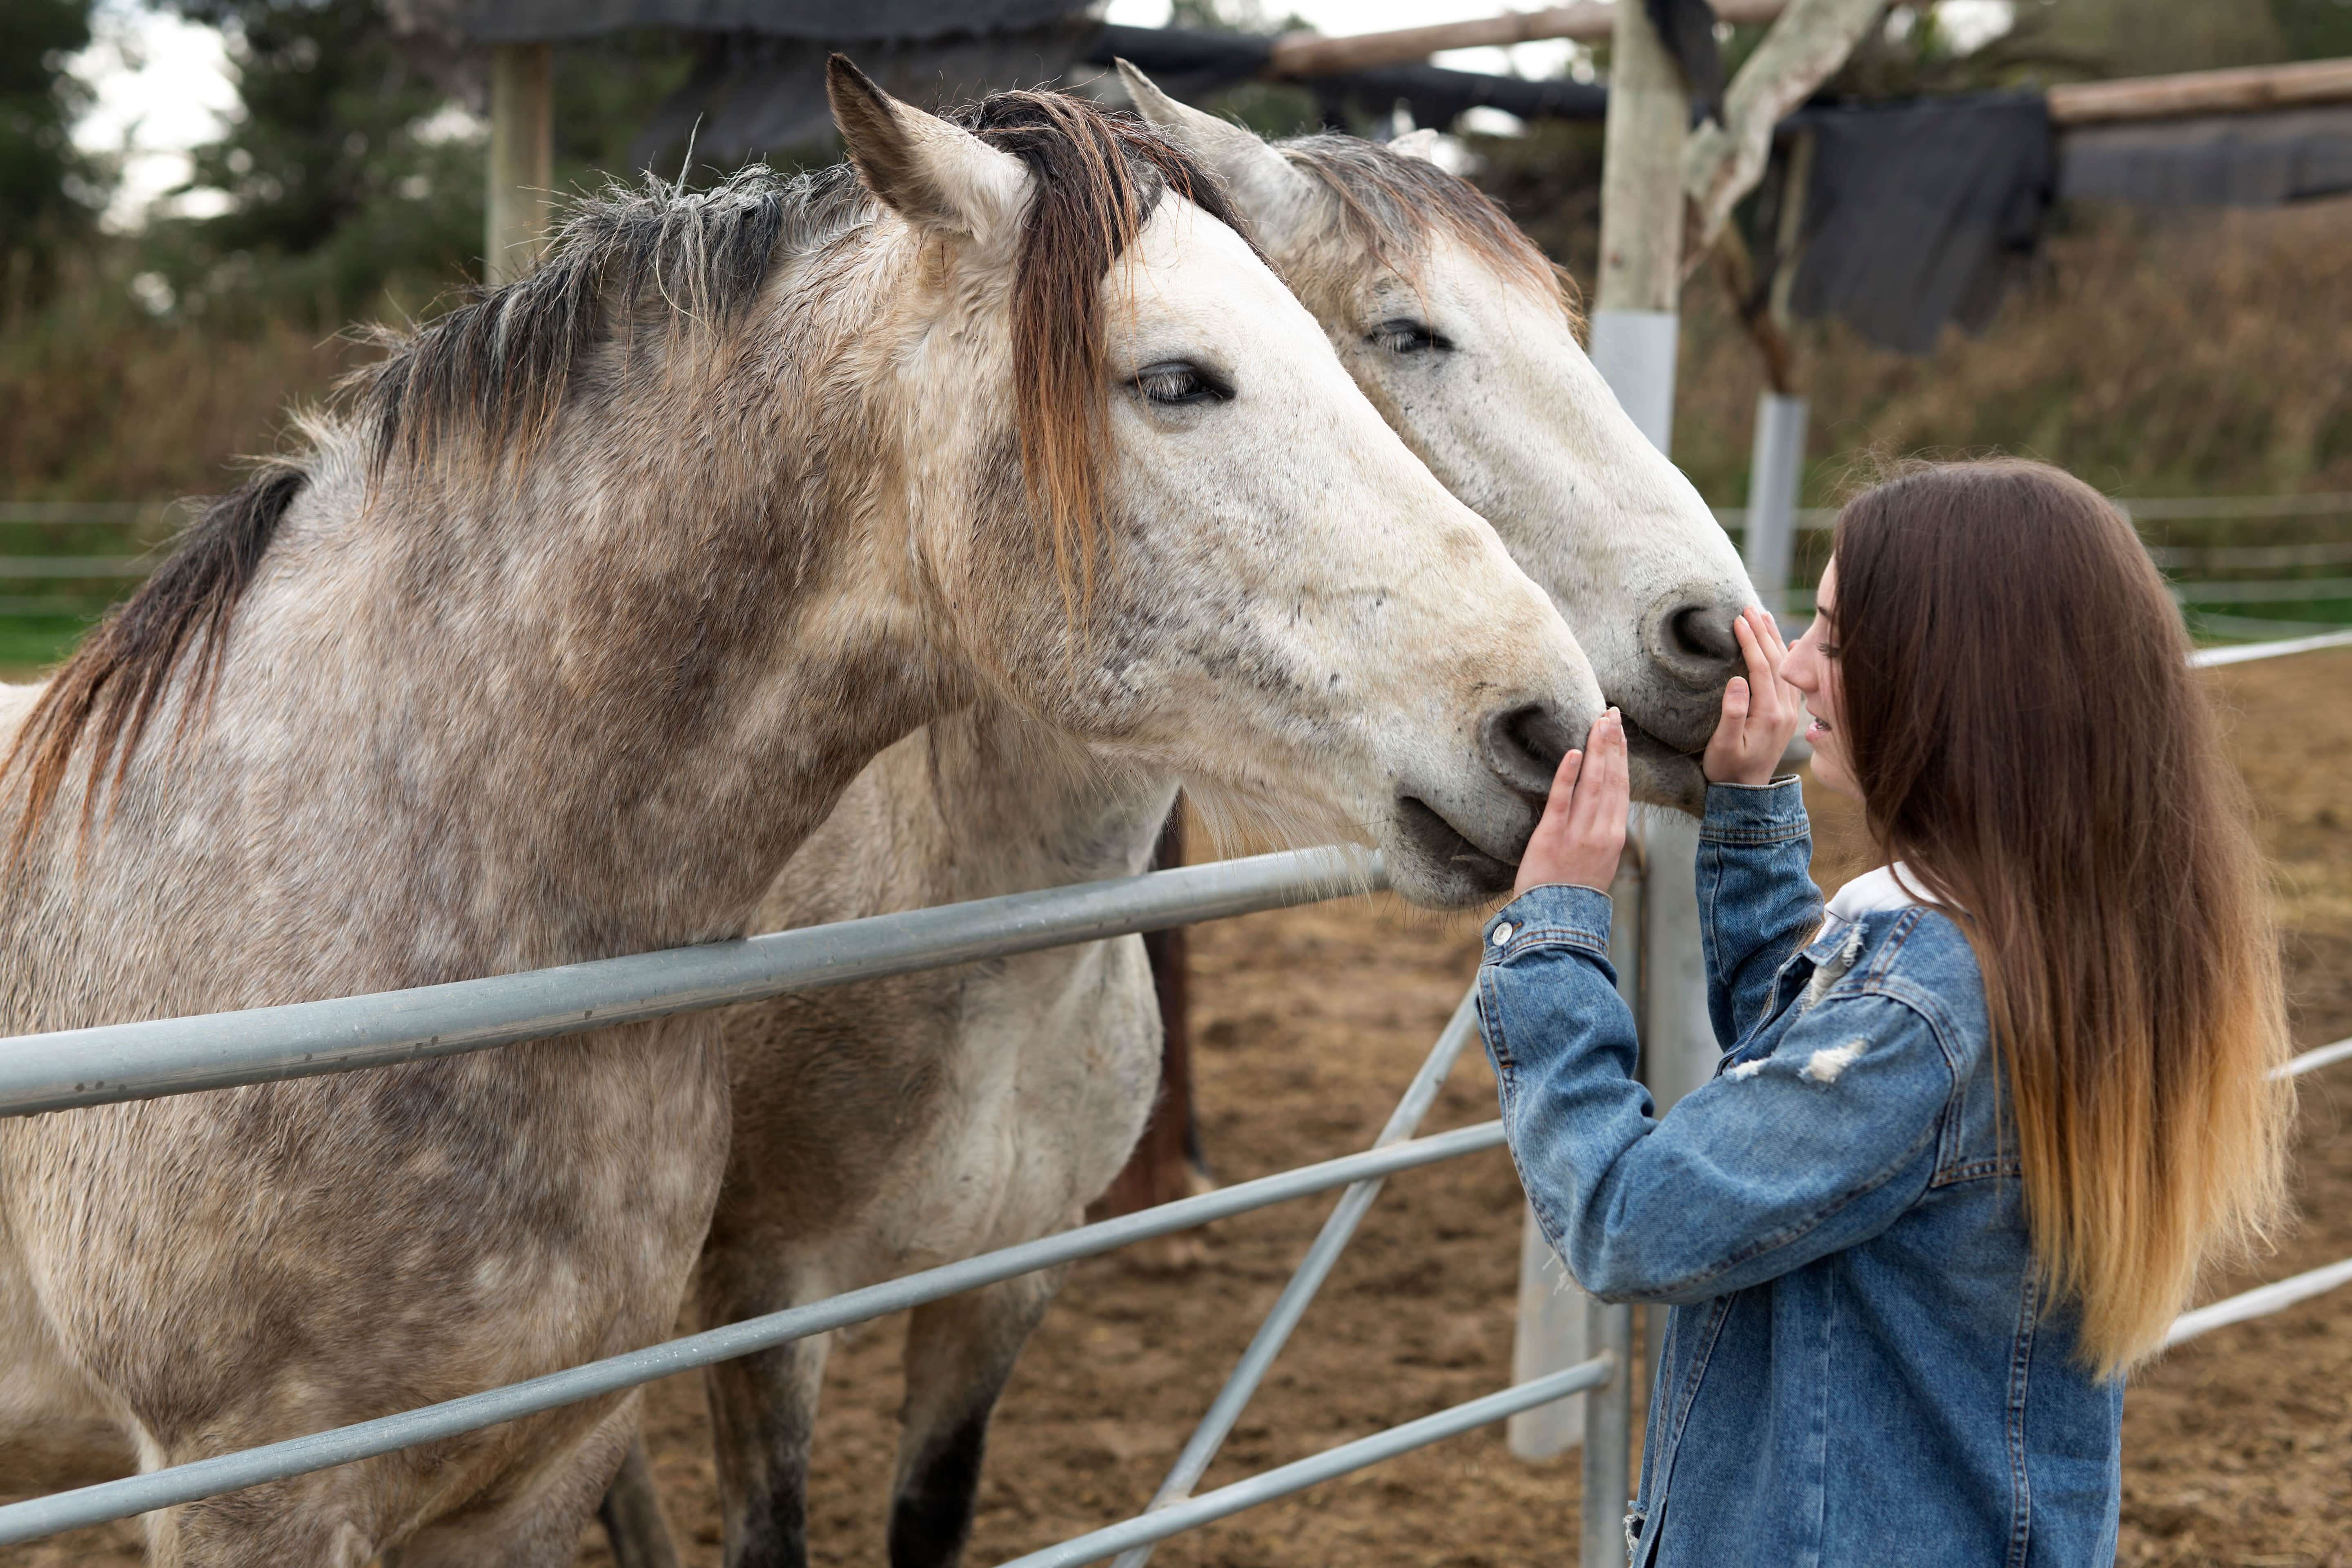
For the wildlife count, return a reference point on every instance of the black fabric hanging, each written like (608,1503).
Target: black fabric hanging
(1921,213)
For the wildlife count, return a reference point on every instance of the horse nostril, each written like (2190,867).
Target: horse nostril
(1524,745)
(1702,633)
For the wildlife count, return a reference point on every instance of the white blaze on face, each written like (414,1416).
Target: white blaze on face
(1352,624)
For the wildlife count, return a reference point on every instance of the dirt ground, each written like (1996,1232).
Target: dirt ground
(2238,1447)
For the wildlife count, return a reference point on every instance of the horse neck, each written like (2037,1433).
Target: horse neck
(980,802)
(1025,808)
(585,707)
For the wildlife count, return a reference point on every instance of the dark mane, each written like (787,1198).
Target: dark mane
(120,675)
(497,368)
(494,372)
(1391,205)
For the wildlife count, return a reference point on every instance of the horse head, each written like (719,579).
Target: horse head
(1457,328)
(1193,544)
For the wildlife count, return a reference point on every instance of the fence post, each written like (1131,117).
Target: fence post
(1776,469)
(522,159)
(1608,1437)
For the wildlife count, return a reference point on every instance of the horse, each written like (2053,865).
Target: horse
(556,643)
(902,1124)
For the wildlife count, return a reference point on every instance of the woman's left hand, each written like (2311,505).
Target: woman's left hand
(1582,832)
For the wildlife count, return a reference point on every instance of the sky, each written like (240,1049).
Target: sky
(163,85)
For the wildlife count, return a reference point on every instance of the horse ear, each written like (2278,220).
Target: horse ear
(1420,144)
(933,173)
(1271,194)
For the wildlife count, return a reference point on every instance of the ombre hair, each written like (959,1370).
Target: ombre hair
(2029,737)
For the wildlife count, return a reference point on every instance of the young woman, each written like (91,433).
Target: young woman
(1979,1122)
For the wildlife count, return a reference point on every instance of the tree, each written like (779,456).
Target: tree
(49,192)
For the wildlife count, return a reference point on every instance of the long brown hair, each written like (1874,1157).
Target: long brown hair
(2029,737)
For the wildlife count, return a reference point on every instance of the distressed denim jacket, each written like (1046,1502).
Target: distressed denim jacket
(1861,1367)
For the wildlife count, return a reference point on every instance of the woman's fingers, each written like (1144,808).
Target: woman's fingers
(1600,795)
(1563,784)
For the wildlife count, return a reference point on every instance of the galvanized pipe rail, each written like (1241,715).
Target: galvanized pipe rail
(365,1439)
(158,1057)
(1312,1269)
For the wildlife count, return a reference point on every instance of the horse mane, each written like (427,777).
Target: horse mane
(1394,206)
(1097,178)
(493,375)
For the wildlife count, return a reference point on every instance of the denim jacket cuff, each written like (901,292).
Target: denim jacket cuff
(1755,814)
(1557,914)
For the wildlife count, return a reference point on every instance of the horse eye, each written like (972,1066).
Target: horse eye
(1407,336)
(1175,383)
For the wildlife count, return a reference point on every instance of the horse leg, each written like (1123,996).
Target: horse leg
(762,1417)
(958,1353)
(635,1528)
(539,1527)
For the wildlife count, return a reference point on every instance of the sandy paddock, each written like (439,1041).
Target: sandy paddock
(1310,1021)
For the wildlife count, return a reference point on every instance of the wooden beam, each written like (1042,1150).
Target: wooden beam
(1588,21)
(2238,91)
(523,159)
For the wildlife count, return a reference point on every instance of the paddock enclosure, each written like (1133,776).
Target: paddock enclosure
(1309,1022)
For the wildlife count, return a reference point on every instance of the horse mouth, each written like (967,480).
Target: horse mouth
(1443,848)
(1664,775)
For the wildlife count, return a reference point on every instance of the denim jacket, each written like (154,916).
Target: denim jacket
(1862,1368)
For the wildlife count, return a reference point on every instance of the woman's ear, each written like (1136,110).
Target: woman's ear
(934,174)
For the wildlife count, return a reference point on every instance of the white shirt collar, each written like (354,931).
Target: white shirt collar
(1873,892)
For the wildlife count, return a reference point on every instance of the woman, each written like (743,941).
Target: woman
(1982,1123)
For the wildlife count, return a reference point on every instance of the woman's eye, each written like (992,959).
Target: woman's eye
(1406,336)
(1176,383)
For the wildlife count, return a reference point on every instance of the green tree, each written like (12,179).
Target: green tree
(2315,29)
(48,191)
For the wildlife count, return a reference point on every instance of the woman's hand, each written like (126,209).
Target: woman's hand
(1761,714)
(1583,828)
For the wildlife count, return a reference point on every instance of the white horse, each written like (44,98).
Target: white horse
(891,1126)
(562,646)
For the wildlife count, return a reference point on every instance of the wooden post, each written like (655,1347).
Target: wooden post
(523,159)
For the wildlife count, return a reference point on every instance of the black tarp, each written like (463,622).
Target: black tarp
(1921,213)
(534,21)
(2211,161)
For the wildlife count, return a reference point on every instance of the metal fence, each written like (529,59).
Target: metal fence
(140,1060)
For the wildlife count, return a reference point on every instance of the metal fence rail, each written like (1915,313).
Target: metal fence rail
(322,1450)
(141,1060)
(126,1061)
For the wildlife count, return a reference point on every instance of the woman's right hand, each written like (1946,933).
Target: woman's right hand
(1761,713)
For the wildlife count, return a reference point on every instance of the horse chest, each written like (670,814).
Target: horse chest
(1053,1068)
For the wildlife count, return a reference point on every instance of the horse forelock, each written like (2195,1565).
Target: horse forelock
(1097,179)
(1393,206)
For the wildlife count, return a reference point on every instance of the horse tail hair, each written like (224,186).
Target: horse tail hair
(111,687)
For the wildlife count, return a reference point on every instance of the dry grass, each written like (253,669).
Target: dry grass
(2206,353)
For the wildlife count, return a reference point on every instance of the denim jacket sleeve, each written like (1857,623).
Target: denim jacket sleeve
(1757,901)
(1782,1160)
